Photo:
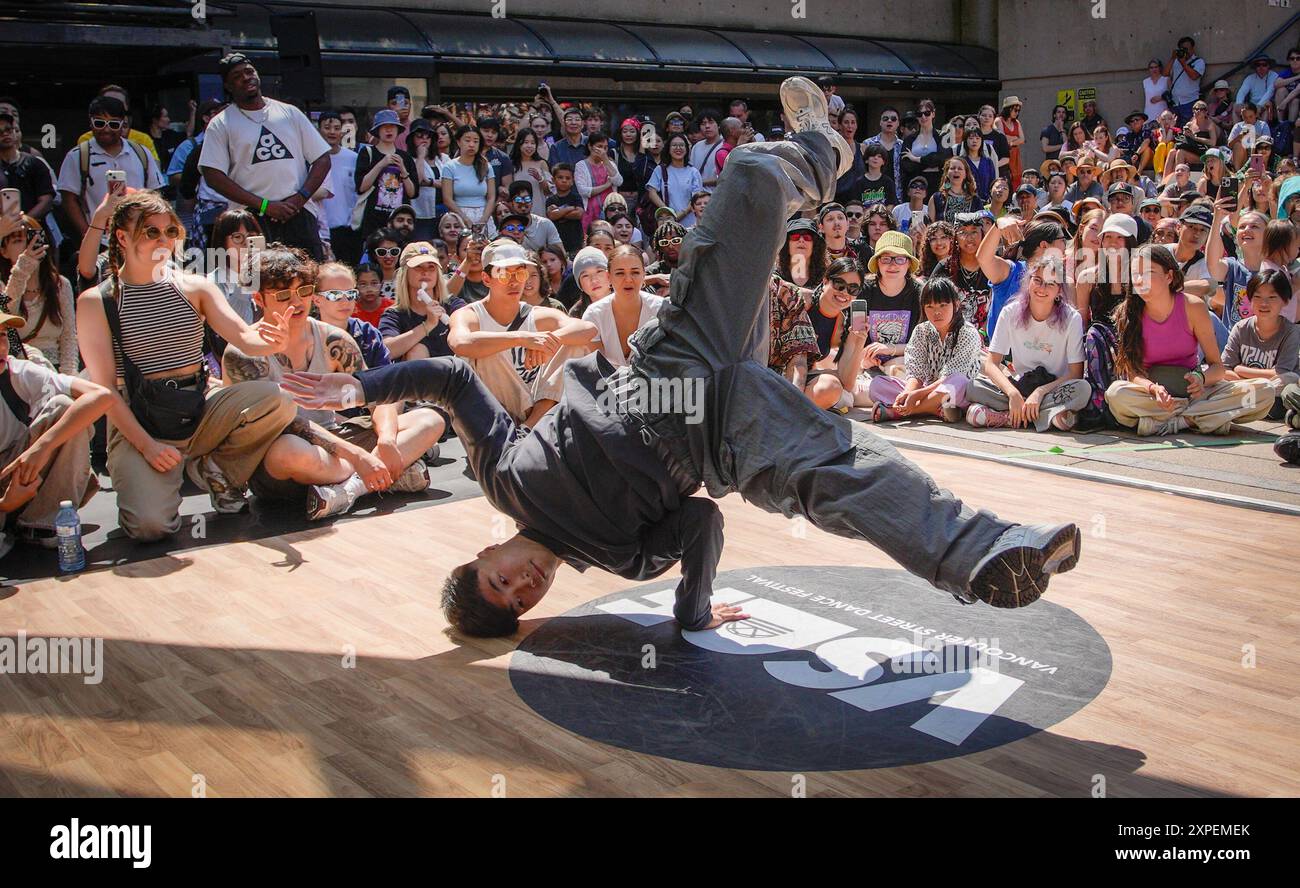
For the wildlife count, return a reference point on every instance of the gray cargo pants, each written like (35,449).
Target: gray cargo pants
(759,435)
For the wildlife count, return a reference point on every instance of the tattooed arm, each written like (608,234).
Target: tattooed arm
(342,351)
(239,367)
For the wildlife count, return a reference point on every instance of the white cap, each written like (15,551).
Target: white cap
(1120,223)
(503,252)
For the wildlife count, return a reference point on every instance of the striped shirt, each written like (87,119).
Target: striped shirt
(160,329)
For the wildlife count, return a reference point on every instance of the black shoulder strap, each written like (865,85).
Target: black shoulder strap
(115,328)
(525,309)
(1197,257)
(17,406)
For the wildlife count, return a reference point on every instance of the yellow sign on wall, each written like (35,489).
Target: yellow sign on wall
(1066,97)
(1085,94)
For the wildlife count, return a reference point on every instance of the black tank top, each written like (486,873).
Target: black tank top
(822,325)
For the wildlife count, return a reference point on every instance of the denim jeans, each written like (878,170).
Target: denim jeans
(759,435)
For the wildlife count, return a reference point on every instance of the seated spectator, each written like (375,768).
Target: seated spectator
(617,316)
(555,268)
(1259,86)
(667,244)
(45,428)
(1221,106)
(1045,333)
(589,280)
(913,213)
(539,230)
(834,227)
(1087,184)
(957,194)
(937,247)
(1161,334)
(876,222)
(963,269)
(32,288)
(1286,90)
(1266,345)
(519,351)
(1033,240)
(942,356)
(537,289)
(370,300)
(625,231)
(1119,198)
(832,368)
(417,324)
(401,222)
(383,247)
(1102,286)
(451,231)
(1242,137)
(699,202)
(141,335)
(335,300)
(1235,271)
(892,293)
(324,461)
(1101,146)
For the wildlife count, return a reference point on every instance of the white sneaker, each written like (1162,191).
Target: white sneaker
(806,112)
(414,479)
(326,500)
(227,499)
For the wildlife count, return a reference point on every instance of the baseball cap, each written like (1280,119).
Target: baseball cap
(488,123)
(420,125)
(1120,223)
(404,208)
(8,320)
(1198,215)
(503,253)
(1216,154)
(517,217)
(795,226)
(1149,204)
(1221,84)
(419,253)
(1027,189)
(231,62)
(1119,188)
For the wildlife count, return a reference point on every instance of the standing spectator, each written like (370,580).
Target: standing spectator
(922,150)
(232,272)
(1184,70)
(1091,117)
(875,186)
(399,102)
(1008,124)
(345,243)
(572,148)
(1154,87)
(467,183)
(198,205)
(981,168)
(32,288)
(259,149)
(24,171)
(674,181)
(428,179)
(846,186)
(503,170)
(704,153)
(596,175)
(386,176)
(531,167)
(956,194)
(1053,135)
(565,208)
(937,247)
(995,144)
(113,91)
(165,139)
(81,177)
(888,139)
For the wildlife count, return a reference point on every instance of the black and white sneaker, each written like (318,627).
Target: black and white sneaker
(1015,573)
(806,111)
(327,500)
(1287,447)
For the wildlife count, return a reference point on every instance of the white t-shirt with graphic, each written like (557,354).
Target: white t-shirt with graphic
(267,152)
(1039,343)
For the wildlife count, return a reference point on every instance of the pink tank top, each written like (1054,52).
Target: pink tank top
(1169,342)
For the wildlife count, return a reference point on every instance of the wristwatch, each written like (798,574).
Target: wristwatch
(303,193)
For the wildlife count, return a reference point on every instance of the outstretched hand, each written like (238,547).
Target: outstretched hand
(726,613)
(324,391)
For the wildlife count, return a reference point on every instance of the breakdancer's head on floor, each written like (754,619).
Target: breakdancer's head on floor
(486,596)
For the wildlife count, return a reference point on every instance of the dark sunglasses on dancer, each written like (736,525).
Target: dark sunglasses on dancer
(339,295)
(840,284)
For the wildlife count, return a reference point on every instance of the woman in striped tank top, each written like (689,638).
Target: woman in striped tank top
(161,313)
(1165,336)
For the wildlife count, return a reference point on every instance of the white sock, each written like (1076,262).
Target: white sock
(845,401)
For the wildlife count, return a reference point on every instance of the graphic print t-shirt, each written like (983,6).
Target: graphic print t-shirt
(891,319)
(267,151)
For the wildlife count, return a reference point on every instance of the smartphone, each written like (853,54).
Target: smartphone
(116,181)
(478,231)
(10,202)
(256,243)
(541,87)
(858,315)
(1257,164)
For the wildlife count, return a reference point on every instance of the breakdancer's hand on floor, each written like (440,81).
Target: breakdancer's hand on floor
(726,613)
(324,391)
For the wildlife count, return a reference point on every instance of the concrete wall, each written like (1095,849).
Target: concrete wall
(1048,45)
(942,20)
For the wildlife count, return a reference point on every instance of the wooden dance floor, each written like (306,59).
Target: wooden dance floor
(316,664)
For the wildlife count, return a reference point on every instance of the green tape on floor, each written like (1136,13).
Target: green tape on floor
(1128,448)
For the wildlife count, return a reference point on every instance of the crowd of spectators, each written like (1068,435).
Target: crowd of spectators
(1141,277)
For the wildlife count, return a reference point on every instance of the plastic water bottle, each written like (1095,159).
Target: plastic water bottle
(67,526)
(424,295)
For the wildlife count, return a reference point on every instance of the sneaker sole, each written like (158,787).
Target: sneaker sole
(316,505)
(1019,577)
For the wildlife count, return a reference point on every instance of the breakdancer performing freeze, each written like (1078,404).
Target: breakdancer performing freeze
(606,477)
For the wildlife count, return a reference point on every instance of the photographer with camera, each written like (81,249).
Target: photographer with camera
(1184,70)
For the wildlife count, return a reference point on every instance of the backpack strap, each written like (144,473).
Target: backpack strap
(524,311)
(21,410)
(83,148)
